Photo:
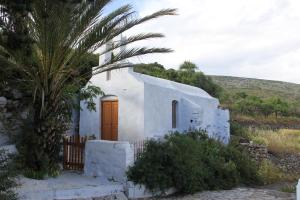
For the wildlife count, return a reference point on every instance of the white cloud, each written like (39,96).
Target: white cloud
(251,38)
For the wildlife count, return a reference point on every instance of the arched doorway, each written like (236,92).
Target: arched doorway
(109,118)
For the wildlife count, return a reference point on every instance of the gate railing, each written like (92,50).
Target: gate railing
(73,152)
(138,148)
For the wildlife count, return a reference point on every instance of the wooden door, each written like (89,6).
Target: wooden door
(109,120)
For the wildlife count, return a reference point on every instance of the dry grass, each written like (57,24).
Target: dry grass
(281,141)
(269,173)
(262,121)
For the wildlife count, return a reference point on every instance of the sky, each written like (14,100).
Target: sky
(245,38)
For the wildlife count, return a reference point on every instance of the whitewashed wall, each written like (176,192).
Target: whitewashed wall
(129,92)
(298,190)
(158,110)
(221,126)
(194,112)
(108,159)
(145,107)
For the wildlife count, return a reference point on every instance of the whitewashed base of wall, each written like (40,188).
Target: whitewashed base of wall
(111,159)
(298,190)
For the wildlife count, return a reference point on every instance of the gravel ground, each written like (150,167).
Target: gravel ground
(239,194)
(235,194)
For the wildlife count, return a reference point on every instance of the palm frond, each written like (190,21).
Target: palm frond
(131,39)
(126,54)
(7,63)
(65,33)
(113,30)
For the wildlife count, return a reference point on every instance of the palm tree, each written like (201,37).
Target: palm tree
(188,66)
(64,34)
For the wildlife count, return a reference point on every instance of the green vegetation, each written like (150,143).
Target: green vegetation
(278,142)
(187,74)
(265,90)
(56,64)
(261,103)
(14,35)
(289,92)
(266,123)
(7,174)
(251,101)
(192,162)
(257,103)
(253,105)
(269,172)
(289,189)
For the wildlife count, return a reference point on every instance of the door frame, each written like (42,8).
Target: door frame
(103,101)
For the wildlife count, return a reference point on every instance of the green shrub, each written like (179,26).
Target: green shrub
(186,74)
(269,173)
(259,140)
(190,163)
(29,173)
(288,189)
(153,166)
(7,174)
(238,130)
(247,168)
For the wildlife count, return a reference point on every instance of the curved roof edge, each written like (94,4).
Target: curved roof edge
(164,83)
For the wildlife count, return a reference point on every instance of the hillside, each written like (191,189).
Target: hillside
(265,89)
(259,87)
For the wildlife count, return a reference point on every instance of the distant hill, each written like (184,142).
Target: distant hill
(259,87)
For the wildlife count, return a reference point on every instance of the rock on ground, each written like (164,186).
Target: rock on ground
(9,149)
(3,101)
(239,194)
(4,140)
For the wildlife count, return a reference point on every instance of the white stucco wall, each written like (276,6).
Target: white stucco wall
(108,159)
(298,190)
(158,111)
(221,126)
(145,107)
(193,113)
(130,94)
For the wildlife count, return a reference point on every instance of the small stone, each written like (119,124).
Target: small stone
(24,114)
(8,115)
(3,102)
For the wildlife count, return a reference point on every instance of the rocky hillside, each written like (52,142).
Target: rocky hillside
(259,87)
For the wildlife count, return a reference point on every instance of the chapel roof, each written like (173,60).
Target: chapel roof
(187,89)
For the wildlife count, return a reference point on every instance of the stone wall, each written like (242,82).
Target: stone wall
(12,112)
(289,163)
(256,151)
